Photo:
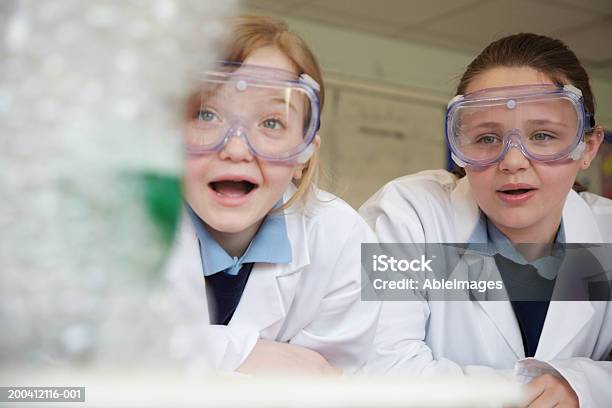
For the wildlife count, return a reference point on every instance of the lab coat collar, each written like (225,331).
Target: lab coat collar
(578,222)
(469,226)
(296,230)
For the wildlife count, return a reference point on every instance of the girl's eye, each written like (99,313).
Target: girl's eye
(487,139)
(205,115)
(272,124)
(541,137)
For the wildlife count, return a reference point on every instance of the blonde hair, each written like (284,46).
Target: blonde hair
(250,32)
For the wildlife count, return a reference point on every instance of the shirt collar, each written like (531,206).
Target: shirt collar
(546,266)
(270,245)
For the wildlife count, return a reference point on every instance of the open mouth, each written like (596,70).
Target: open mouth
(517,191)
(232,188)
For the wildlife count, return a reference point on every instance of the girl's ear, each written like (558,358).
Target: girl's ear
(299,169)
(593,141)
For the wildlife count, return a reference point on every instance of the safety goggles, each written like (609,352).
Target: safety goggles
(545,122)
(275,112)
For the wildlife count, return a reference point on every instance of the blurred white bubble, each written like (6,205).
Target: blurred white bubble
(91,96)
(17,32)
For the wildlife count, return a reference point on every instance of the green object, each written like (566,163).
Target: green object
(162,195)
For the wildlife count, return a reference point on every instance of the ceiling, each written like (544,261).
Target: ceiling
(466,25)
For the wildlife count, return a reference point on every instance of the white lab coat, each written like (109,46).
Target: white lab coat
(484,336)
(313,302)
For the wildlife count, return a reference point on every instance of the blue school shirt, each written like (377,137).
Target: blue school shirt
(226,276)
(527,280)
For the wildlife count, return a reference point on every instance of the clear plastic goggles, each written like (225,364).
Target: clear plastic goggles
(275,112)
(545,122)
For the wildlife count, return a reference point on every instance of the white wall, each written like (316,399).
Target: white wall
(432,70)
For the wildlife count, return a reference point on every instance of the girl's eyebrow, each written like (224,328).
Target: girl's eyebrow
(487,125)
(282,101)
(546,122)
(530,121)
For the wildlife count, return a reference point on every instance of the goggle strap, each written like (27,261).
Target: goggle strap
(589,122)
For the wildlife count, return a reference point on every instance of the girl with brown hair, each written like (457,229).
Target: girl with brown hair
(521,126)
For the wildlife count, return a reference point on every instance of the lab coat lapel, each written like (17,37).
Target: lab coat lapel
(185,276)
(271,287)
(261,303)
(565,320)
(469,228)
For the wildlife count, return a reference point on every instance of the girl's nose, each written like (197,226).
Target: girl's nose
(236,148)
(514,160)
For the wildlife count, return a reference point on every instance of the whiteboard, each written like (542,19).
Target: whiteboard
(373,134)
